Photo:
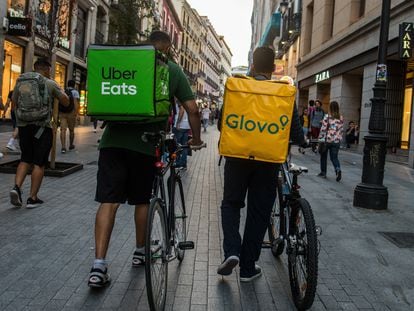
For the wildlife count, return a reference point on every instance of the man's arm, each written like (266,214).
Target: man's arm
(190,107)
(296,131)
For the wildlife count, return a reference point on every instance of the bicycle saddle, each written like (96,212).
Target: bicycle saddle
(296,169)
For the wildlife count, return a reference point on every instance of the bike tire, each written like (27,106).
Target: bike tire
(303,257)
(180,228)
(275,228)
(156,263)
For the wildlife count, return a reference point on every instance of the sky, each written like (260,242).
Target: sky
(231,19)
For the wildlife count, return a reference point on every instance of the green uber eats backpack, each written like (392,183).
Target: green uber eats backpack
(127,83)
(32,105)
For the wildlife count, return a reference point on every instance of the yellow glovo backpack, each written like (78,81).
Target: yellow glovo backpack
(256,119)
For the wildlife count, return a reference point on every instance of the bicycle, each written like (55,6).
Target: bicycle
(166,235)
(292,225)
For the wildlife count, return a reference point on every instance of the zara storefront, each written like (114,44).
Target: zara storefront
(344,69)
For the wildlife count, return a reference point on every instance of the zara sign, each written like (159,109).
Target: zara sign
(324,75)
(405,41)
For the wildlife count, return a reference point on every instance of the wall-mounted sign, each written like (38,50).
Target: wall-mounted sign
(324,75)
(19,26)
(405,41)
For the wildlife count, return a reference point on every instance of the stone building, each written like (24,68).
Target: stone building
(338,61)
(80,23)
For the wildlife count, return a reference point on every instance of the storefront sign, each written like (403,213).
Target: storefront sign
(19,26)
(324,75)
(405,41)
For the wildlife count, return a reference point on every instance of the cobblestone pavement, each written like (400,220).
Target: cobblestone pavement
(46,253)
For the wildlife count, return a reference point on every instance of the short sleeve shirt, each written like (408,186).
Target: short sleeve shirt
(128,136)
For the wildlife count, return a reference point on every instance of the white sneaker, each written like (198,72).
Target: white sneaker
(1,155)
(11,147)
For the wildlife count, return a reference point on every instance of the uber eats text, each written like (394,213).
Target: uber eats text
(115,87)
(235,121)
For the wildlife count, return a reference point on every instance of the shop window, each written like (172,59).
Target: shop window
(60,74)
(12,68)
(80,34)
(17,8)
(406,118)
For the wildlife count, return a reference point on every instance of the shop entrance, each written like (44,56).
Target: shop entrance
(408,103)
(13,64)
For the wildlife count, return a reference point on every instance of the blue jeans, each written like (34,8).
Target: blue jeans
(181,136)
(333,149)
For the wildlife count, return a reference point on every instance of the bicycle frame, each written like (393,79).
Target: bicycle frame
(159,188)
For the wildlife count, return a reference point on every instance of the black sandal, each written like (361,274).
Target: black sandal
(98,278)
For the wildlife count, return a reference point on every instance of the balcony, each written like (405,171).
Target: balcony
(99,37)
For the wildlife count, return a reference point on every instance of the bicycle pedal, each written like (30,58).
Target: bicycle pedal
(266,244)
(186,245)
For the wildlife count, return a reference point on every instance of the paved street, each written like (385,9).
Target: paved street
(46,253)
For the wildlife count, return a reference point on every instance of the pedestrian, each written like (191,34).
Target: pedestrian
(181,131)
(304,121)
(33,98)
(95,124)
(316,121)
(205,113)
(331,133)
(126,168)
(351,134)
(68,115)
(12,143)
(257,179)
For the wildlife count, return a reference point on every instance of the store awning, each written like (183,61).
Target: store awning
(272,30)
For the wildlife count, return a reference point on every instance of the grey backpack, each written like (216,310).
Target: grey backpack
(33,100)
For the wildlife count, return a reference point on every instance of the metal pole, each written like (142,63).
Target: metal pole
(371,193)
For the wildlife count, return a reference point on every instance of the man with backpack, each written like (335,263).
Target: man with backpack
(126,168)
(256,178)
(33,98)
(67,116)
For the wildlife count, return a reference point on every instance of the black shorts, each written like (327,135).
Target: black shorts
(35,150)
(124,175)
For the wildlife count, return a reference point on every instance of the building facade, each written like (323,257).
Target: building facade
(79,24)
(226,56)
(338,58)
(204,55)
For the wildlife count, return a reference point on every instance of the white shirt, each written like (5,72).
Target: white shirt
(206,113)
(184,124)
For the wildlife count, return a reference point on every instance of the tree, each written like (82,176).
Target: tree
(51,26)
(126,20)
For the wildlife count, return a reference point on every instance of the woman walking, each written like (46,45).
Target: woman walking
(331,135)
(304,121)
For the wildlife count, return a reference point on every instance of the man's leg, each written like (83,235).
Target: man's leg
(21,173)
(236,174)
(141,212)
(63,127)
(71,126)
(37,177)
(104,223)
(260,199)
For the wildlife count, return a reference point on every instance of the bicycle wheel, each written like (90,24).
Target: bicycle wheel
(303,255)
(180,229)
(156,264)
(275,228)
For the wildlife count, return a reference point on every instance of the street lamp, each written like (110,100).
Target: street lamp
(371,193)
